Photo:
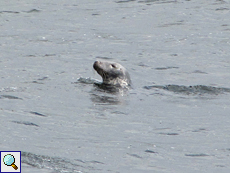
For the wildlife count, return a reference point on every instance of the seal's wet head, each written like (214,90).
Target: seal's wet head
(112,73)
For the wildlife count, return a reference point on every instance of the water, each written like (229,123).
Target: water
(176,117)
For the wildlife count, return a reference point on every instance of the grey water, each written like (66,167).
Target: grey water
(175,118)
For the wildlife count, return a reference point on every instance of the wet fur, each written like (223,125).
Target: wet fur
(112,73)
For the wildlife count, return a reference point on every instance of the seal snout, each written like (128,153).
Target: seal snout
(95,65)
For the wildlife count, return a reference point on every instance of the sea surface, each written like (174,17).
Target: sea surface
(175,119)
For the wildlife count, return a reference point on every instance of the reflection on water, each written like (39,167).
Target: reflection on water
(103,94)
(101,99)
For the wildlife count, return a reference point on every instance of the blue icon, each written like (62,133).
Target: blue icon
(9,160)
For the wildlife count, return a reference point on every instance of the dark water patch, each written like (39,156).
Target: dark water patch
(135,155)
(119,113)
(9,97)
(125,1)
(14,12)
(221,9)
(141,64)
(33,11)
(43,78)
(37,82)
(103,57)
(166,68)
(172,24)
(221,166)
(170,134)
(227,29)
(30,55)
(150,151)
(198,71)
(220,2)
(94,161)
(27,123)
(197,155)
(162,128)
(140,54)
(57,164)
(158,1)
(199,130)
(49,54)
(39,114)
(195,90)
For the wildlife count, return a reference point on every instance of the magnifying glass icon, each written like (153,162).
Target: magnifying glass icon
(9,160)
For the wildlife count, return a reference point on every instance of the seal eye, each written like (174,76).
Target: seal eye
(114,66)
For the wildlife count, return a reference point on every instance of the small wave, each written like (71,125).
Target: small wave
(25,123)
(114,89)
(14,12)
(33,11)
(197,155)
(87,80)
(12,89)
(57,164)
(124,1)
(158,1)
(9,97)
(37,113)
(196,89)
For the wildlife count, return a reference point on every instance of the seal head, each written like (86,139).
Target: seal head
(112,73)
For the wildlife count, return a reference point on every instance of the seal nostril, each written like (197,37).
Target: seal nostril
(113,65)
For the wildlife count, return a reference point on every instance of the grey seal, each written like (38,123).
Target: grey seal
(113,73)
